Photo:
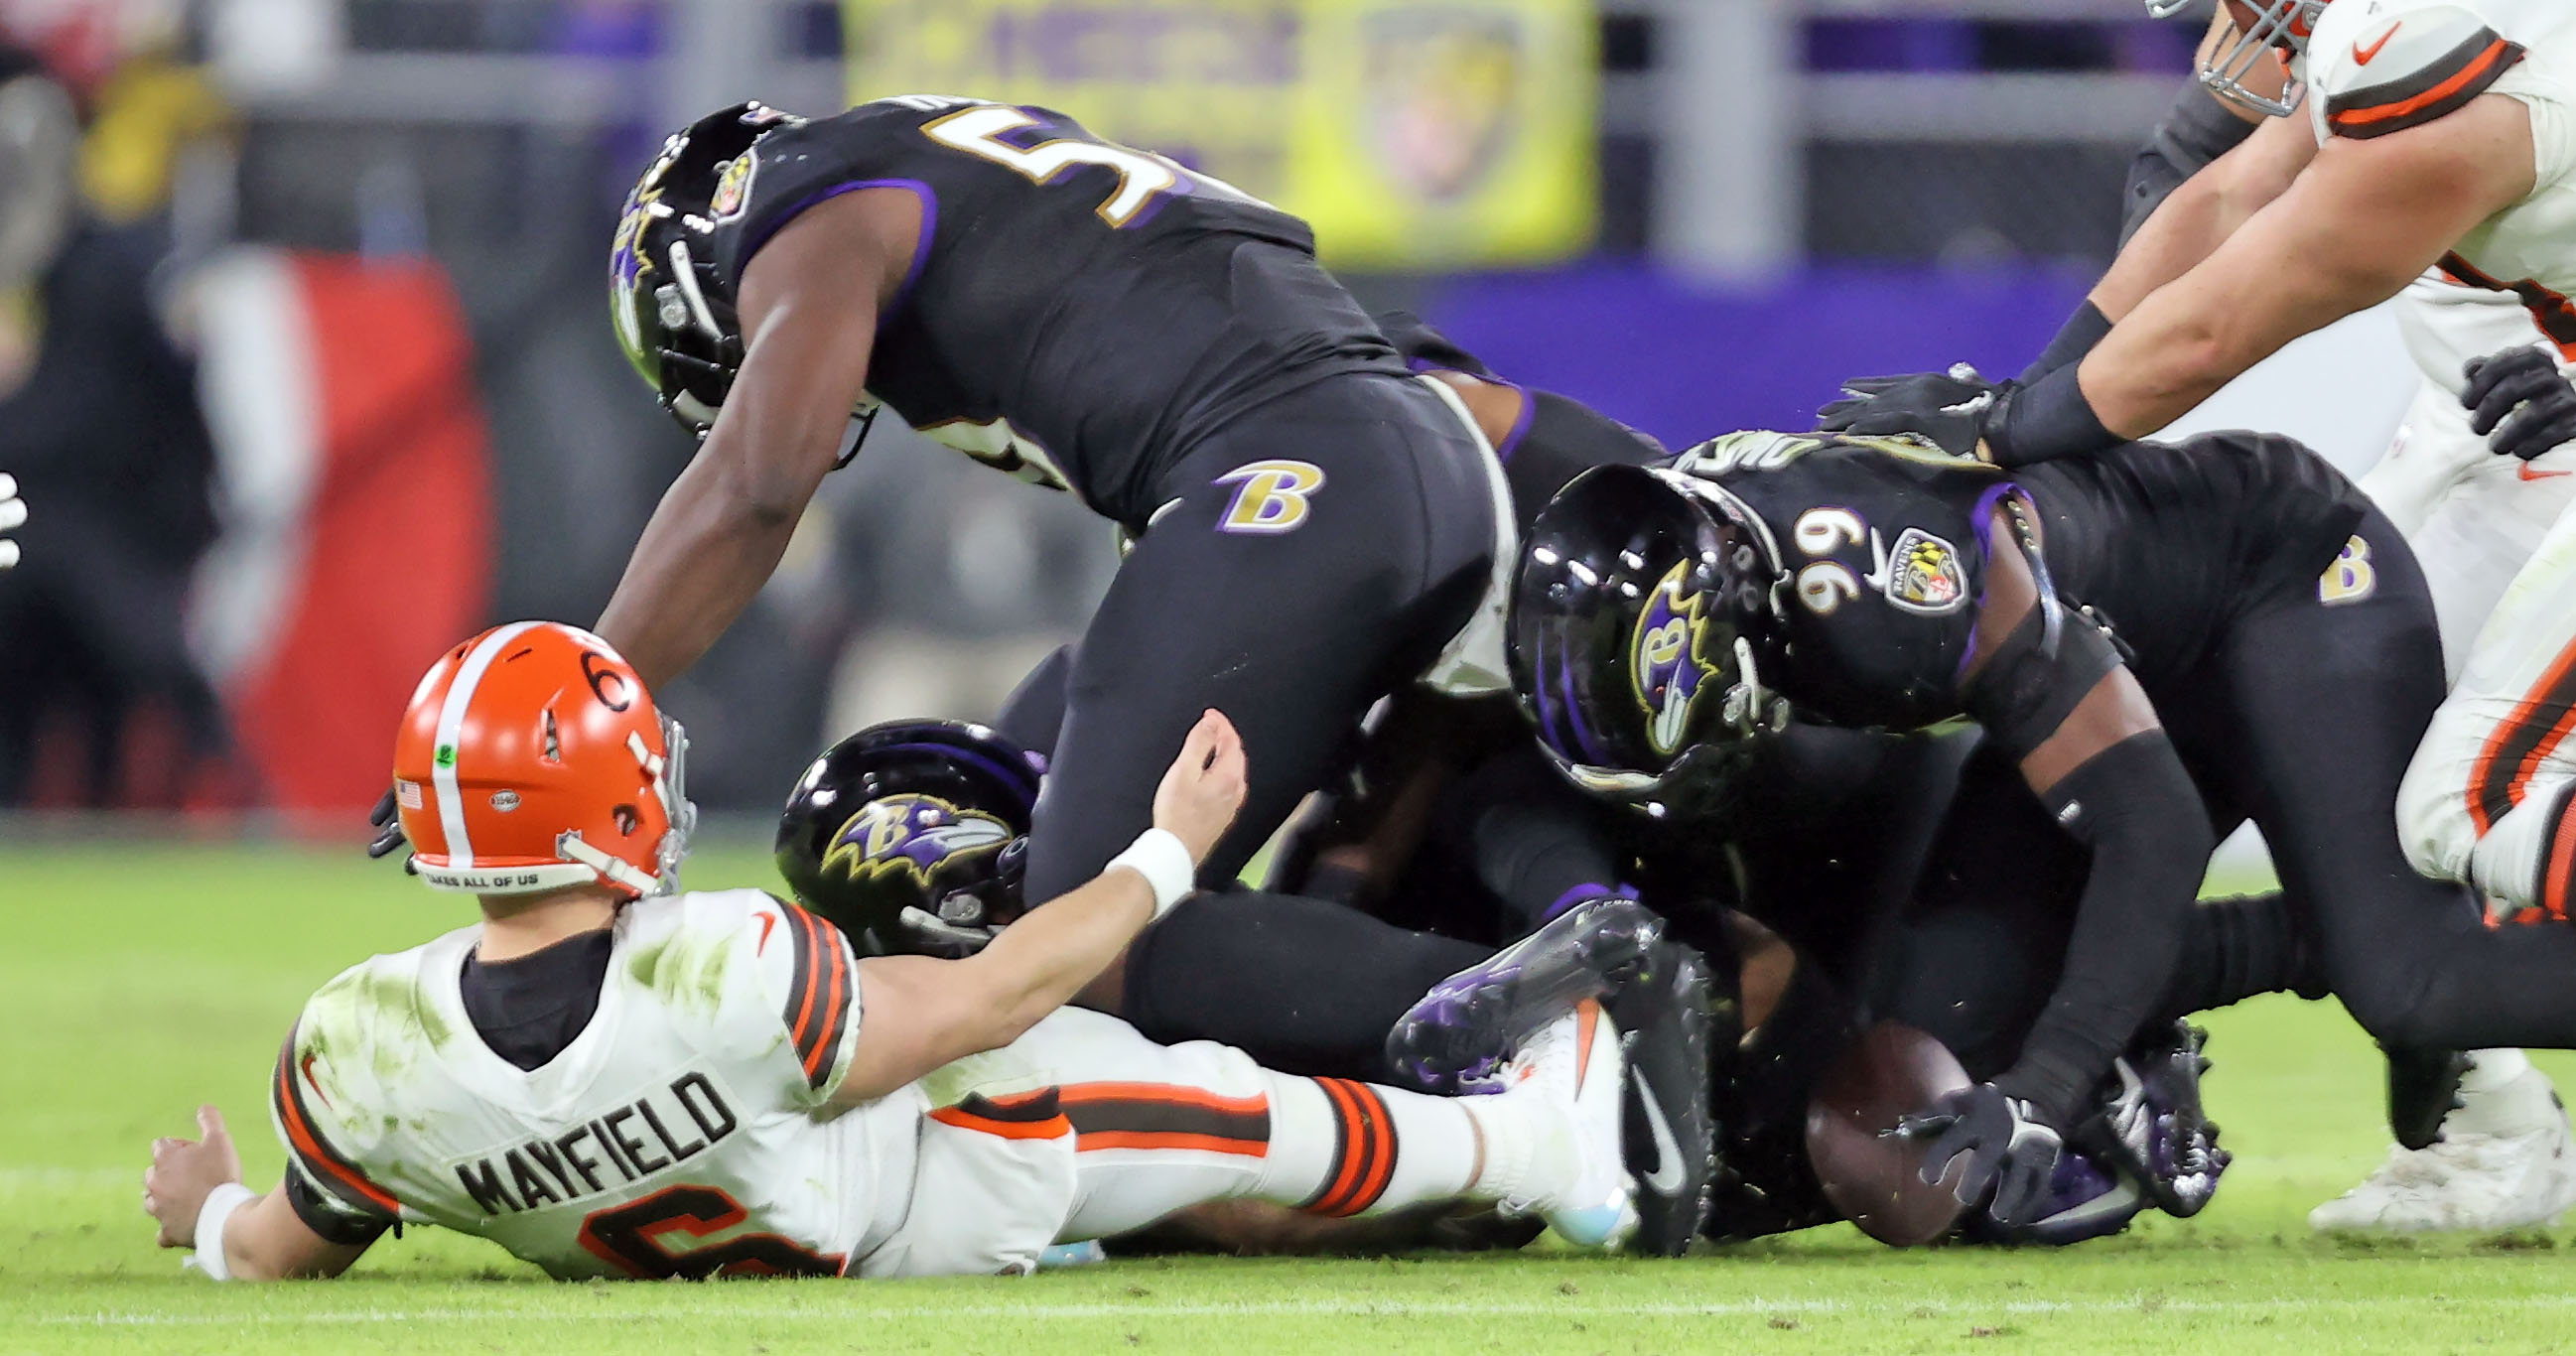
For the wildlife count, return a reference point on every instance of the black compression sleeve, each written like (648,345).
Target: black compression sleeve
(2073,340)
(2196,130)
(2135,806)
(2048,419)
(2035,679)
(327,1216)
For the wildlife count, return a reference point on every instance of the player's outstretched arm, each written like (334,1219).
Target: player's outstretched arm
(2090,745)
(2201,214)
(810,300)
(922,1013)
(194,1190)
(2364,219)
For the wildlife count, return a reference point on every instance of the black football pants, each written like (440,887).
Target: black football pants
(1312,556)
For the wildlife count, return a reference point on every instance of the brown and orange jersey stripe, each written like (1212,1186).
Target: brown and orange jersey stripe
(1166,1116)
(2441,87)
(329,1168)
(1028,1115)
(820,994)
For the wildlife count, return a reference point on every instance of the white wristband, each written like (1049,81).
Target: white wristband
(219,1207)
(1159,856)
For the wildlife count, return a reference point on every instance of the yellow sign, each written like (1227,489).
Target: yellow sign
(1410,133)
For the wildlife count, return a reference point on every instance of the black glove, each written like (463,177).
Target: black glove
(2520,402)
(387,823)
(2008,1148)
(1951,408)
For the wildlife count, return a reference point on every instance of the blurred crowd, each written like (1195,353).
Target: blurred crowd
(100,700)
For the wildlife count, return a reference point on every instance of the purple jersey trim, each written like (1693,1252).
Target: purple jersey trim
(1520,426)
(1982,522)
(920,250)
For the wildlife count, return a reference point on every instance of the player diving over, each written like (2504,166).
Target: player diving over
(2257,644)
(1313,526)
(610,1080)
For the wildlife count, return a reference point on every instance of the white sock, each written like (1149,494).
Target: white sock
(2492,1069)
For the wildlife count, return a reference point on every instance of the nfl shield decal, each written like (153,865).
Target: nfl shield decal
(1664,661)
(733,187)
(1925,574)
(911,835)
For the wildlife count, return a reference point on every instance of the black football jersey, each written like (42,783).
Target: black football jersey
(1078,312)
(2167,543)
(1884,545)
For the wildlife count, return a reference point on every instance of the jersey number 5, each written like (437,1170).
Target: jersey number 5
(630,1236)
(1142,176)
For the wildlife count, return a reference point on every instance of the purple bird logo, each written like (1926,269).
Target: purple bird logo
(911,835)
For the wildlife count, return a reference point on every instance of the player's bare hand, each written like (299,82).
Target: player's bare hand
(183,1171)
(1204,787)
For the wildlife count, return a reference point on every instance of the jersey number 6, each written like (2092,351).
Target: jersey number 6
(629,1237)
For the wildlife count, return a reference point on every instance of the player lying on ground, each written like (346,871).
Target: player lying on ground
(910,835)
(2475,493)
(611,1081)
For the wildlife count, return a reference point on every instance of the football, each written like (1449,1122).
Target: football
(1873,1177)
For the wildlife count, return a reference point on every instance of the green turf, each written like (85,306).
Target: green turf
(135,983)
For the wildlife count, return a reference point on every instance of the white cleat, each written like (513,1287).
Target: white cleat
(2505,1161)
(1574,1062)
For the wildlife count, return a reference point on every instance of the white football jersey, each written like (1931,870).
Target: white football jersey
(685,1131)
(2379,66)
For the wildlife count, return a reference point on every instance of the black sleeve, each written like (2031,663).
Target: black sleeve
(2136,808)
(2197,129)
(328,1216)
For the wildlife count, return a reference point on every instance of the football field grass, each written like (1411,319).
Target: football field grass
(136,982)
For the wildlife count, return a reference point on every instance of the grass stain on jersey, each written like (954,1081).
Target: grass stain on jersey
(384,1016)
(685,969)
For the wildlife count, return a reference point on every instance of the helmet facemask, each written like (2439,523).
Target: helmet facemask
(2266,30)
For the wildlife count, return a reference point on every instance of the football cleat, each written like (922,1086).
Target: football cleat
(2423,1088)
(2150,1125)
(1574,1062)
(1457,1036)
(1668,1026)
(2506,1162)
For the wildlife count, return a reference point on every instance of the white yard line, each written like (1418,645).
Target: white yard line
(1572,1307)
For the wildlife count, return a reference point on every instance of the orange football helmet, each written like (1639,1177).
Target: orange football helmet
(532,758)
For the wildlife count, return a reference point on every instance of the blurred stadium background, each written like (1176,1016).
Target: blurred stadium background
(322,381)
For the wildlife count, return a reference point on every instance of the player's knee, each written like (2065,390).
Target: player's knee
(2433,822)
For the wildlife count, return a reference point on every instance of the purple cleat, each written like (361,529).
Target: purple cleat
(1457,1038)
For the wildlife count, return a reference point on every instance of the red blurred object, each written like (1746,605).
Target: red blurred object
(389,561)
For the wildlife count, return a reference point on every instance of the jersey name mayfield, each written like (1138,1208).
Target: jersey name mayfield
(1077,312)
(684,1132)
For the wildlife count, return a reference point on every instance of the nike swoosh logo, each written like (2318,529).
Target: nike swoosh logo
(2361,55)
(2524,472)
(767,921)
(1666,1179)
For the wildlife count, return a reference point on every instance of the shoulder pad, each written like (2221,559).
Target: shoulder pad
(2386,66)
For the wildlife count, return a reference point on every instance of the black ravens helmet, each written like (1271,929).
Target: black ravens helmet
(673,309)
(1645,610)
(909,835)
